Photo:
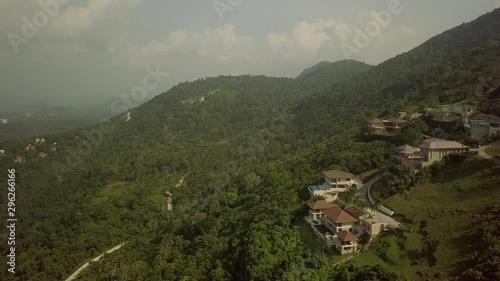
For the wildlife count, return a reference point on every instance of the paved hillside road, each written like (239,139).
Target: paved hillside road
(76,273)
(363,194)
(363,190)
(481,152)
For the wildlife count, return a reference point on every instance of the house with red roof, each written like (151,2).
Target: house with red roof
(347,242)
(340,227)
(316,209)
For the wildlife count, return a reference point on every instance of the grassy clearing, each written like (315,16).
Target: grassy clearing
(445,207)
(494,150)
(308,236)
(113,191)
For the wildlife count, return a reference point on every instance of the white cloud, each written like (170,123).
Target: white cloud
(306,37)
(74,20)
(221,44)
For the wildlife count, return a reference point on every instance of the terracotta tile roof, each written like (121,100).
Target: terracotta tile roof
(376,121)
(319,205)
(337,215)
(433,143)
(336,174)
(355,212)
(346,236)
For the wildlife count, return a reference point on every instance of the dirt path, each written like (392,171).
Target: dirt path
(78,271)
(342,261)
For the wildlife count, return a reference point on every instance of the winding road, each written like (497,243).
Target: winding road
(363,193)
(78,271)
(481,152)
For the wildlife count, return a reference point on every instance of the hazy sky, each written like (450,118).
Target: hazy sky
(101,48)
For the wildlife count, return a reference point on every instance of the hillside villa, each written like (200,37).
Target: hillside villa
(394,124)
(448,113)
(433,150)
(482,125)
(381,126)
(408,154)
(335,182)
(341,228)
(376,126)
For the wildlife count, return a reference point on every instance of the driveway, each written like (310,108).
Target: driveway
(481,152)
(379,215)
(363,194)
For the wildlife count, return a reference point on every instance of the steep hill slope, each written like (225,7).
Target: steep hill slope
(245,146)
(326,74)
(450,67)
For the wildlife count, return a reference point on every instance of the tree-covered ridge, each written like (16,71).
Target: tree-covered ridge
(326,74)
(245,151)
(449,67)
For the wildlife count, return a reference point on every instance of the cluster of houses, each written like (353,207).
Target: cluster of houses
(431,150)
(339,226)
(478,124)
(31,147)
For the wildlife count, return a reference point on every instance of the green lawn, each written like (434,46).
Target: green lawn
(494,150)
(447,206)
(444,207)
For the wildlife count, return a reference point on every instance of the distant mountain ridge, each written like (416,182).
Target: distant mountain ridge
(255,141)
(326,74)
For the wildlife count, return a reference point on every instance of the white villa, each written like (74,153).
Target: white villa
(335,182)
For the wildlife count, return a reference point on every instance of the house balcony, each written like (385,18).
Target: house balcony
(312,220)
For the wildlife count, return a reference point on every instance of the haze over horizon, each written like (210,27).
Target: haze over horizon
(98,49)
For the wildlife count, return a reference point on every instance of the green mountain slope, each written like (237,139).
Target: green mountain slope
(454,66)
(326,74)
(244,147)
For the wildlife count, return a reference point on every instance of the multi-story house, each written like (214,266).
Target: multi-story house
(483,125)
(337,219)
(335,182)
(394,124)
(376,126)
(316,210)
(433,150)
(340,228)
